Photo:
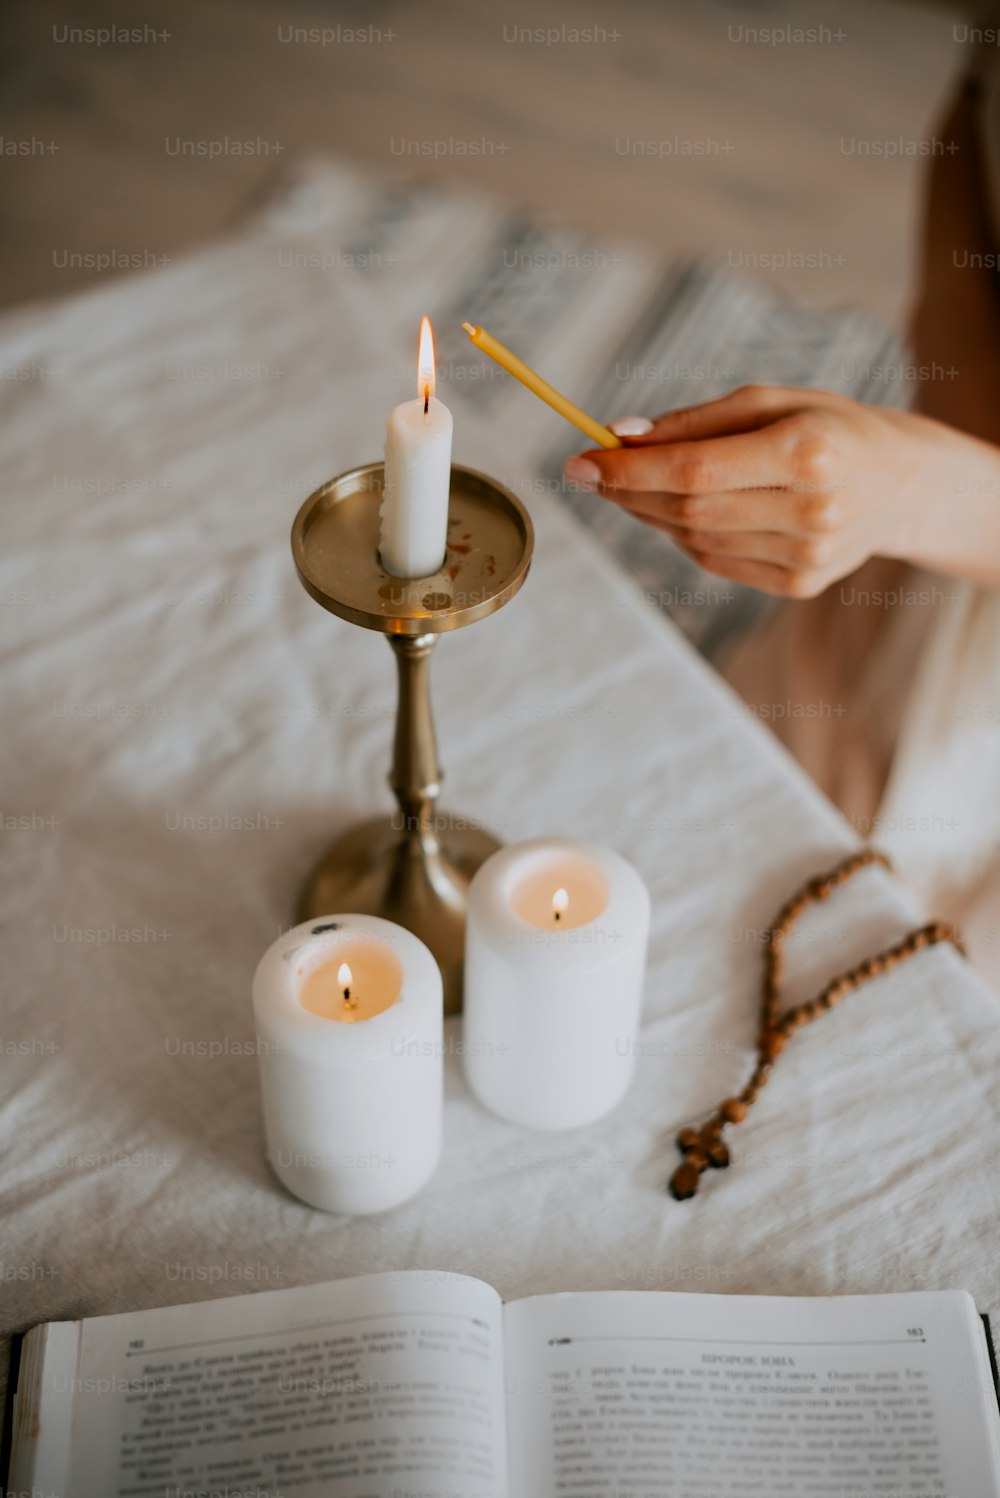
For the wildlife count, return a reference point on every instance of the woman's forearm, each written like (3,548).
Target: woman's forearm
(957,530)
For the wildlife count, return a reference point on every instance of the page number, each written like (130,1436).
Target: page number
(914,1331)
(137,1346)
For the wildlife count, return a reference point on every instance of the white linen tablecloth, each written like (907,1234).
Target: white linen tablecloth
(185,729)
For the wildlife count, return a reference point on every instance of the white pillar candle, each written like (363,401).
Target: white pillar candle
(414,511)
(555,958)
(349,1021)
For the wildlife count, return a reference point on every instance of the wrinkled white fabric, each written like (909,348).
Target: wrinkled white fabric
(185,729)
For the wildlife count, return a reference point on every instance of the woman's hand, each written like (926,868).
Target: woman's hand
(790,490)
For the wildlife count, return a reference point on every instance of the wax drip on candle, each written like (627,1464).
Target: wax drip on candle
(560,900)
(344,979)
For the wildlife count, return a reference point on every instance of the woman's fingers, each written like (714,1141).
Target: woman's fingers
(778,562)
(750,460)
(760,487)
(767,576)
(742,410)
(799,553)
(792,512)
(734,510)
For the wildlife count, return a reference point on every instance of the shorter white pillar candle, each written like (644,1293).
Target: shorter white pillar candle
(349,1017)
(555,959)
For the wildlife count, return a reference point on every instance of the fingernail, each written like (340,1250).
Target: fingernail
(631,426)
(583,472)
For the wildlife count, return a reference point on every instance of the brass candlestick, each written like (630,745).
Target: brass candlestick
(413,868)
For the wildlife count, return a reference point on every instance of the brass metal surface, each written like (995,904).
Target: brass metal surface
(375,868)
(413,868)
(335,540)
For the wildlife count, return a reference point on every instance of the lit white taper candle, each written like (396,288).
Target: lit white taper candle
(417,475)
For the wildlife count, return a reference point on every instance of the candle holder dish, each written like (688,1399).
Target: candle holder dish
(413,867)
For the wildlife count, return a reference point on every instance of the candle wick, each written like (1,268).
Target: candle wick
(351,1003)
(557,915)
(427,398)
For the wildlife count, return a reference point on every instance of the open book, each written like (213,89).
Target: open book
(424,1385)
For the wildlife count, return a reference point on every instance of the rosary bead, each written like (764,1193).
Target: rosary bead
(733,1110)
(718,1155)
(687,1140)
(772,1044)
(684,1181)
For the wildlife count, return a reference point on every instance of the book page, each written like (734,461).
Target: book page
(43,1409)
(368,1388)
(657,1395)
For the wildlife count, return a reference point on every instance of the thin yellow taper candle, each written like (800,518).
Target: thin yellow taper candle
(517,367)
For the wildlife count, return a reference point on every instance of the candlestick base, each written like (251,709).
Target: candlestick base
(415,867)
(377,868)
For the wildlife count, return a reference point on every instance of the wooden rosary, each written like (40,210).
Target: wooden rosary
(705,1148)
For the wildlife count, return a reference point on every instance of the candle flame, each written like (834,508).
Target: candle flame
(560,900)
(426,377)
(345,977)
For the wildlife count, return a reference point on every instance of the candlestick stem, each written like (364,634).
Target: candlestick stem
(413,868)
(415,777)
